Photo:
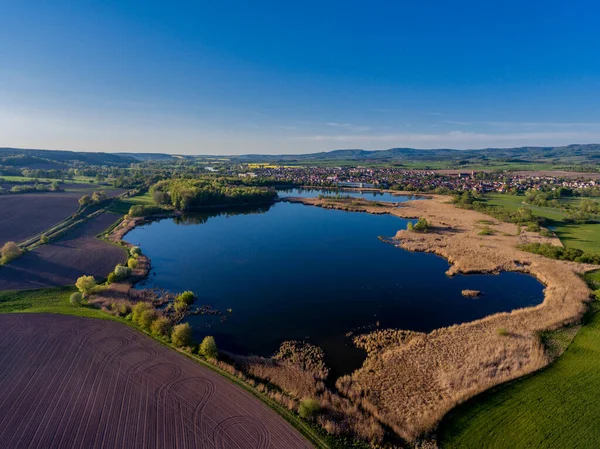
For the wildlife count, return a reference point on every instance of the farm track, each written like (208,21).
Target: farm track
(61,262)
(79,382)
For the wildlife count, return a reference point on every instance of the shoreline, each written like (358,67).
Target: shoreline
(411,385)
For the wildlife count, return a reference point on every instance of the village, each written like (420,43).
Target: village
(421,180)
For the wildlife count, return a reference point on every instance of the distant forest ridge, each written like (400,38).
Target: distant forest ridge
(570,154)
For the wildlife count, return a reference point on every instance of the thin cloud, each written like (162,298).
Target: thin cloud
(526,124)
(457,139)
(349,126)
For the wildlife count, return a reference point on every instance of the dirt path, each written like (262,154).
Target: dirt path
(79,382)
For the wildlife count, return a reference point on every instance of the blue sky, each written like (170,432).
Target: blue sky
(233,77)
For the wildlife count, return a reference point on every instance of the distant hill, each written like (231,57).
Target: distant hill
(570,154)
(19,157)
(153,156)
(588,153)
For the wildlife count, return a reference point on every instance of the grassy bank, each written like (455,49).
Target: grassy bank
(557,407)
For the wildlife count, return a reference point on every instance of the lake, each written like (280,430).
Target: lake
(290,271)
(372,195)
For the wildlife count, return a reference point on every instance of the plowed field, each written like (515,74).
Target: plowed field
(63,261)
(79,383)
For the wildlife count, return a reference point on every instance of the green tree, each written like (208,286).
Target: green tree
(98,196)
(180,306)
(161,327)
(138,309)
(86,284)
(187,297)
(147,317)
(85,200)
(122,272)
(10,251)
(182,335)
(208,348)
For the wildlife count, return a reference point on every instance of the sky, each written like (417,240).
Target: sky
(238,77)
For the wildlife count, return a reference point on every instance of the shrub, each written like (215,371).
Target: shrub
(486,230)
(208,348)
(182,335)
(86,284)
(111,278)
(132,263)
(409,226)
(421,225)
(533,227)
(122,272)
(139,210)
(180,306)
(10,251)
(122,309)
(161,327)
(187,297)
(138,309)
(559,253)
(146,318)
(308,408)
(503,332)
(44,239)
(546,233)
(76,299)
(135,251)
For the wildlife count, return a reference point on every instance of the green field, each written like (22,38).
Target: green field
(122,206)
(75,180)
(585,237)
(47,300)
(558,407)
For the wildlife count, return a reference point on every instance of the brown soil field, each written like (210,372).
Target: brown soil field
(61,262)
(78,382)
(411,383)
(26,215)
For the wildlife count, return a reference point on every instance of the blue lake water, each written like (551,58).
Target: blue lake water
(371,195)
(291,271)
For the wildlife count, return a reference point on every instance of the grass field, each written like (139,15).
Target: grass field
(581,236)
(47,300)
(558,407)
(122,206)
(75,180)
